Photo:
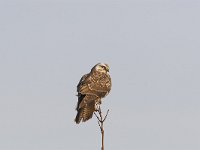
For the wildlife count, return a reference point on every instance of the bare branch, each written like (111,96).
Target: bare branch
(97,117)
(106,115)
(100,121)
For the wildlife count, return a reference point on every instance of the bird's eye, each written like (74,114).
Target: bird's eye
(104,67)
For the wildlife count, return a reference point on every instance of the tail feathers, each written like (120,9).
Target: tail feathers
(85,113)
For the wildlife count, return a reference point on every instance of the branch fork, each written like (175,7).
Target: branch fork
(101,120)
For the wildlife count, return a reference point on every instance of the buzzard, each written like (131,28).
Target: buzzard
(91,88)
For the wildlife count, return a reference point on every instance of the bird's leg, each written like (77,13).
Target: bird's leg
(97,106)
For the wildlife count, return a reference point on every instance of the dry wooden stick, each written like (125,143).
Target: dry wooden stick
(101,120)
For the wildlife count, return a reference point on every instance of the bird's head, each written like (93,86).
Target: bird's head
(101,67)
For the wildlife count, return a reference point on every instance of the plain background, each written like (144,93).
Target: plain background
(152,47)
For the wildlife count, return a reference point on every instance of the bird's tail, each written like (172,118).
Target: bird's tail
(85,113)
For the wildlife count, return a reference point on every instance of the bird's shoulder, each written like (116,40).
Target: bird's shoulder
(82,81)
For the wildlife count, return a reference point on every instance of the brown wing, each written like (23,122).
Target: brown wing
(86,102)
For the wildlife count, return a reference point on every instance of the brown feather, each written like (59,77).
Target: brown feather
(85,111)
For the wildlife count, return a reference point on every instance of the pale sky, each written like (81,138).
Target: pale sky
(152,47)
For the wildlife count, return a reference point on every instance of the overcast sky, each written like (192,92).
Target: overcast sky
(152,47)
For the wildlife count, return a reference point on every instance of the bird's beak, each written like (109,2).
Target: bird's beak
(107,69)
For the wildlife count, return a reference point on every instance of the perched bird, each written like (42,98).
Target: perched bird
(91,89)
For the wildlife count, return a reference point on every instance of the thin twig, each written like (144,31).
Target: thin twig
(106,115)
(97,117)
(100,121)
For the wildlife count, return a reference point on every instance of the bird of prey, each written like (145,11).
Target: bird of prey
(91,89)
